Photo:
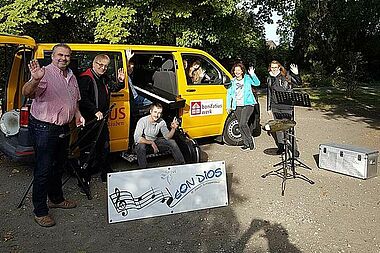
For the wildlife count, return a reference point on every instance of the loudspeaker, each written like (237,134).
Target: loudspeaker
(10,123)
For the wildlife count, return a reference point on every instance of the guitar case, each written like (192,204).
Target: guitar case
(189,147)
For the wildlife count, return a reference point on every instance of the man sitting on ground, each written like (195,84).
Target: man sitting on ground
(146,132)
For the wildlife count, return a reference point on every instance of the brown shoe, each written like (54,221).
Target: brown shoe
(45,221)
(66,204)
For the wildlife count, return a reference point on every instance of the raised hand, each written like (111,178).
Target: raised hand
(36,71)
(294,68)
(120,75)
(99,115)
(251,71)
(129,54)
(203,73)
(174,124)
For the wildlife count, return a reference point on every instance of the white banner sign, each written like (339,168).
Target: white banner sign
(206,107)
(166,190)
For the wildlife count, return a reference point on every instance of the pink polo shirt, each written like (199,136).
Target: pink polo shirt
(56,97)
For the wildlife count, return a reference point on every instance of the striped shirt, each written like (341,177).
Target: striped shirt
(56,97)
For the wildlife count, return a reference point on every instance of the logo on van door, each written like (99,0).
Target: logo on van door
(206,107)
(117,113)
(117,117)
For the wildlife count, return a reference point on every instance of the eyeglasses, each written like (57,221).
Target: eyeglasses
(101,65)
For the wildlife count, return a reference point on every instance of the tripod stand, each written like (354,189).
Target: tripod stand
(288,158)
(287,170)
(79,167)
(76,166)
(293,98)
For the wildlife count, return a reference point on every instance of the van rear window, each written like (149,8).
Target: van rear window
(82,60)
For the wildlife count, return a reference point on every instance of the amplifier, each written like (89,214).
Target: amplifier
(349,160)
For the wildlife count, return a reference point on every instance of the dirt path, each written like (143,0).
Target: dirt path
(336,214)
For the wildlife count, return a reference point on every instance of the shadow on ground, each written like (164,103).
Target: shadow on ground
(85,228)
(333,102)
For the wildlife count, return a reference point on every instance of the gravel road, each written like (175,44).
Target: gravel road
(336,214)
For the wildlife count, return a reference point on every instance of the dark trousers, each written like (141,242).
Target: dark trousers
(243,113)
(51,154)
(279,136)
(99,159)
(163,146)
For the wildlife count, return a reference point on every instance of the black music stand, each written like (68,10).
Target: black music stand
(293,98)
(79,167)
(283,172)
(288,158)
(76,165)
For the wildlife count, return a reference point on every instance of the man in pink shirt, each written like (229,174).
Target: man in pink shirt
(55,94)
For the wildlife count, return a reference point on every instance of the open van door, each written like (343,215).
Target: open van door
(15,53)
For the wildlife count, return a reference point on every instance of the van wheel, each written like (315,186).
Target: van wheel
(231,133)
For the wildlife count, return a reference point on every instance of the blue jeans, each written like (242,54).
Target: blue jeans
(163,146)
(51,154)
(142,101)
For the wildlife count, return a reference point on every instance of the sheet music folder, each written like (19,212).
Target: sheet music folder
(292,98)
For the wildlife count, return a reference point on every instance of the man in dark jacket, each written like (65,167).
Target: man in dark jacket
(95,87)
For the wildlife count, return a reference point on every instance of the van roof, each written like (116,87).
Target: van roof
(110,47)
(17,40)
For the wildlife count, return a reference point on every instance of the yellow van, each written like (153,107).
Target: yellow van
(159,75)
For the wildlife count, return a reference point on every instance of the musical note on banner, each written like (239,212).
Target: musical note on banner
(168,199)
(123,201)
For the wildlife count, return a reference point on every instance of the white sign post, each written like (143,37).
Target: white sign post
(166,190)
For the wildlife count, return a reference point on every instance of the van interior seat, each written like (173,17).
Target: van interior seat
(165,78)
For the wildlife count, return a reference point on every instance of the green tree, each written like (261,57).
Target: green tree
(226,28)
(336,33)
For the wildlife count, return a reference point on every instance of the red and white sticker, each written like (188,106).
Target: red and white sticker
(206,107)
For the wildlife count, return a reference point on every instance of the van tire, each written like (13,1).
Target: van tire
(231,133)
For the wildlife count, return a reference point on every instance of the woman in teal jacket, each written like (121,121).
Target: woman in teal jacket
(241,100)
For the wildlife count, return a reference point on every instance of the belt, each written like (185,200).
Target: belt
(33,119)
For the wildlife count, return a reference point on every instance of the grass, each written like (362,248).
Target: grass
(364,103)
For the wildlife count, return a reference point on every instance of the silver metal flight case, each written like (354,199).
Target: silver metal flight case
(349,160)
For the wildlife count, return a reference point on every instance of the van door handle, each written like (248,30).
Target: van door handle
(191,90)
(117,95)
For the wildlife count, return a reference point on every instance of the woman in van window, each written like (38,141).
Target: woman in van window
(241,100)
(281,80)
(197,74)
